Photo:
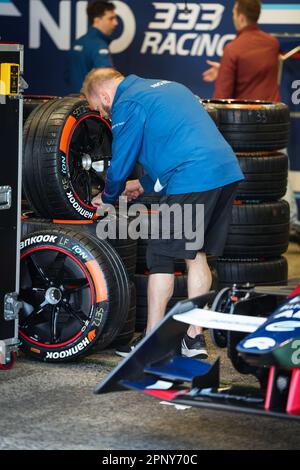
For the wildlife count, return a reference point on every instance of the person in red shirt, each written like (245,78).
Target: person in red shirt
(249,66)
(249,71)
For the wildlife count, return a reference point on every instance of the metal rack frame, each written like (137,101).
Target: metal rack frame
(11,130)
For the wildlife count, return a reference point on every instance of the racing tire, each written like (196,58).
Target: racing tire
(126,248)
(31,102)
(261,306)
(266,176)
(213,113)
(67,150)
(127,333)
(233,339)
(211,110)
(220,304)
(74,293)
(258,229)
(259,272)
(253,126)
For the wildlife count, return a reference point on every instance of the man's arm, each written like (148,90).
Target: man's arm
(128,131)
(225,83)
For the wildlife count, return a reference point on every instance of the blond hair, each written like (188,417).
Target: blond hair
(99,78)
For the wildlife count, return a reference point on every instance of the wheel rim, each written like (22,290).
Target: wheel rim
(88,157)
(58,297)
(9,365)
(222,303)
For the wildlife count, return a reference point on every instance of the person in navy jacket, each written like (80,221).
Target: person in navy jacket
(92,49)
(162,126)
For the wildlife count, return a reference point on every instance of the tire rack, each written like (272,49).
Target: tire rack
(11,112)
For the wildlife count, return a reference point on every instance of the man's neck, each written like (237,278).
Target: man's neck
(117,82)
(246,25)
(99,29)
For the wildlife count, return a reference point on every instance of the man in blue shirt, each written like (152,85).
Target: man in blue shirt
(162,126)
(92,50)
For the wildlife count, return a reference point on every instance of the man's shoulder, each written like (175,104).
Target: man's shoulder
(128,100)
(241,41)
(269,38)
(254,35)
(82,39)
(90,39)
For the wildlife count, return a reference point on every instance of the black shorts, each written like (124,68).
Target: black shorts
(217,205)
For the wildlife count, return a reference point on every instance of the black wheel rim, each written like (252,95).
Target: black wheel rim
(224,306)
(57,295)
(88,156)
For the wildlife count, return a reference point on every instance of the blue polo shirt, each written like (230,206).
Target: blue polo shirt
(88,52)
(162,126)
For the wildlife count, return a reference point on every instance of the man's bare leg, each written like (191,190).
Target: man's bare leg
(160,291)
(199,283)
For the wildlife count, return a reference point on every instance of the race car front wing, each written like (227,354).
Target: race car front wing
(156,368)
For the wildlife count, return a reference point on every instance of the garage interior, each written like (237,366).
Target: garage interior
(69,297)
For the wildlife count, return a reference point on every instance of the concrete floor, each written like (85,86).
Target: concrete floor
(47,406)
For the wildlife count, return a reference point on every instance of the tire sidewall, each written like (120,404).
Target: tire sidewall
(80,112)
(89,333)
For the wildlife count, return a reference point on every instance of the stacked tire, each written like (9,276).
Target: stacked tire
(67,149)
(259,230)
(76,282)
(75,294)
(30,103)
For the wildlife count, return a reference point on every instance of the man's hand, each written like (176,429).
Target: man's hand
(133,190)
(97,201)
(211,74)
